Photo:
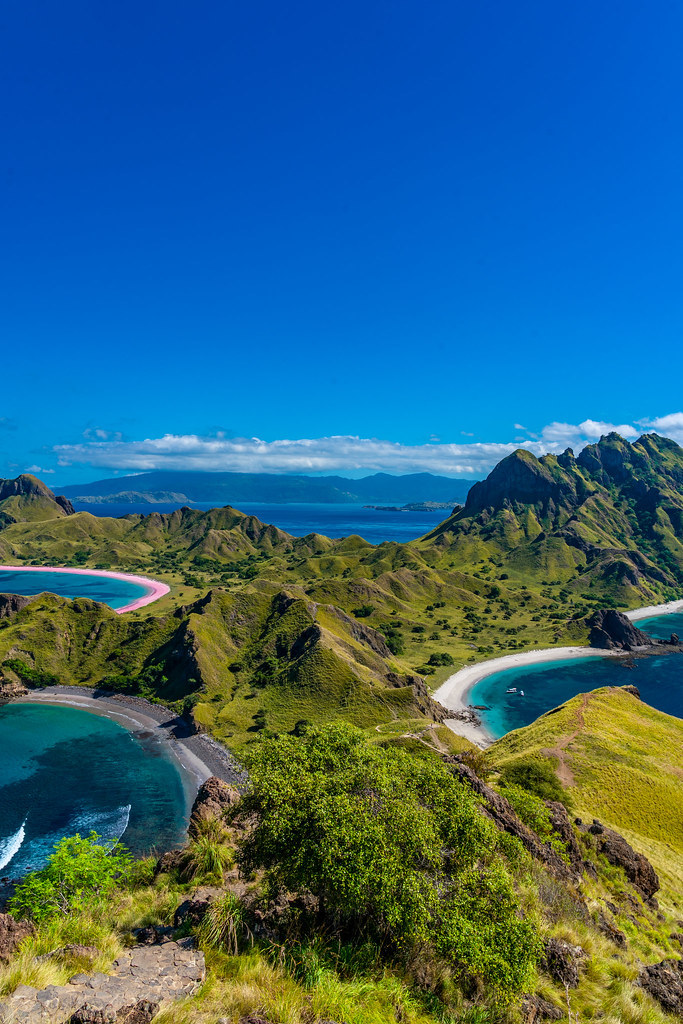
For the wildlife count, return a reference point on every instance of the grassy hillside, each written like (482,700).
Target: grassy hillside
(621,761)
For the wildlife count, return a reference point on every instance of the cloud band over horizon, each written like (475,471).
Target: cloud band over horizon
(339,454)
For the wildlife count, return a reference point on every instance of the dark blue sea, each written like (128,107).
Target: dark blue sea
(115,593)
(300,519)
(64,771)
(548,684)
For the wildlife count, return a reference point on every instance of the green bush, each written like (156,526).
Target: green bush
(534,813)
(537,777)
(79,873)
(395,848)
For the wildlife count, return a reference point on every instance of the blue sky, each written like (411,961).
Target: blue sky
(438,229)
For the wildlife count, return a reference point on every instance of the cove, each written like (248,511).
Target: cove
(121,591)
(65,771)
(659,679)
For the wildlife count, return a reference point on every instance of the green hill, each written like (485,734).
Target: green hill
(621,762)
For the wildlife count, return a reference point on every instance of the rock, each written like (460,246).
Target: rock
(283,917)
(559,820)
(212,801)
(10,690)
(612,630)
(142,978)
(12,932)
(637,868)
(193,910)
(632,690)
(535,1008)
(563,962)
(664,982)
(169,862)
(10,604)
(501,812)
(611,931)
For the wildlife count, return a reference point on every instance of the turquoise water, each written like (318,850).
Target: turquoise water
(659,679)
(115,593)
(64,771)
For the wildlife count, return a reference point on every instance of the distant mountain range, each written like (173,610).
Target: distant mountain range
(232,488)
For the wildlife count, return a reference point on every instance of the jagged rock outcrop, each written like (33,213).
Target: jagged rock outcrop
(10,604)
(214,798)
(618,852)
(664,982)
(611,630)
(559,820)
(12,933)
(33,491)
(563,962)
(501,812)
(520,477)
(194,909)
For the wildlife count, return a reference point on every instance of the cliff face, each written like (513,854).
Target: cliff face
(616,510)
(28,499)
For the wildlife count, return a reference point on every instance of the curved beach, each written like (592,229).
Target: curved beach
(197,755)
(154,589)
(453,693)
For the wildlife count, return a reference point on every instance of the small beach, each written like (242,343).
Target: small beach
(454,693)
(198,755)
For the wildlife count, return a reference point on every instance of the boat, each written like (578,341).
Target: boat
(521,693)
(511,689)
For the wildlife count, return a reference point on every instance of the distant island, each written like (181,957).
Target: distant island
(417,506)
(272,488)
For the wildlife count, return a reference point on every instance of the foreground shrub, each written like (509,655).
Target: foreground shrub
(79,873)
(394,848)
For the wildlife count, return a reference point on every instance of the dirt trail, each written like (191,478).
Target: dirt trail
(564,772)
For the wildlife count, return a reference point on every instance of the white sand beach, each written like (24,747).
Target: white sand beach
(453,693)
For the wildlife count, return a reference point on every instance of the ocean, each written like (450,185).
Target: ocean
(659,679)
(65,771)
(301,519)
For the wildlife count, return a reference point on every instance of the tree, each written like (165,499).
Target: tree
(79,872)
(394,847)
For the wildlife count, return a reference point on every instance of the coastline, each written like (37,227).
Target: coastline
(154,589)
(196,755)
(453,693)
(670,608)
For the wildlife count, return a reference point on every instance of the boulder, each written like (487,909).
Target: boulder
(536,1008)
(193,910)
(563,962)
(138,1013)
(212,801)
(12,932)
(168,862)
(611,630)
(559,820)
(611,931)
(664,982)
(621,854)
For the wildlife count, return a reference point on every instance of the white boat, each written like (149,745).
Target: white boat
(521,693)
(512,689)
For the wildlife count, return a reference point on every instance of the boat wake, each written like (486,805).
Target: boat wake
(10,847)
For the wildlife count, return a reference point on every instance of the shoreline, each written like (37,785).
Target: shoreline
(196,755)
(454,691)
(154,589)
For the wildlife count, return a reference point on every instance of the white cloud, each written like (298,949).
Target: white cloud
(339,454)
(670,426)
(38,469)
